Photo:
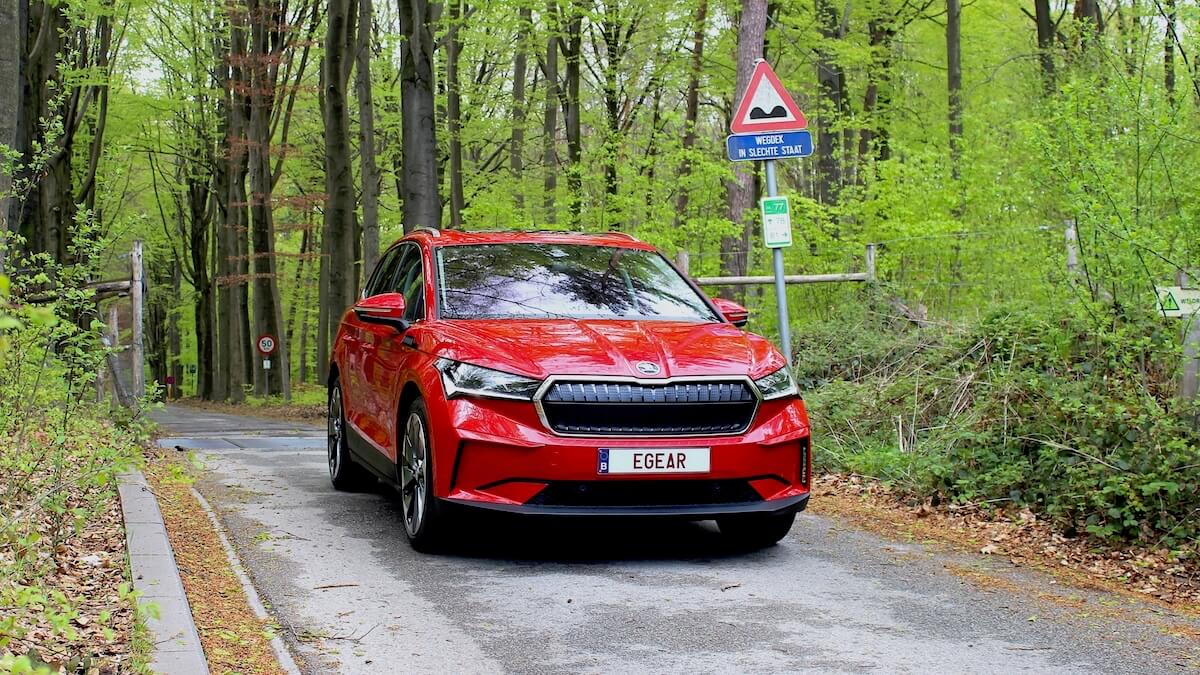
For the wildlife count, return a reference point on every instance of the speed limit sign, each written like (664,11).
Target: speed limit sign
(266,344)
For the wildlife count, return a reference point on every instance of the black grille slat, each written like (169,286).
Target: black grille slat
(605,392)
(618,408)
(646,493)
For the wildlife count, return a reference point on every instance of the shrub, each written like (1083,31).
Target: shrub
(1067,411)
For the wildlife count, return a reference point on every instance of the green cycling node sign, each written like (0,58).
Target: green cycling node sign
(776,221)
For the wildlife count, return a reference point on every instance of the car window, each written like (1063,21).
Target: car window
(563,280)
(409,281)
(385,271)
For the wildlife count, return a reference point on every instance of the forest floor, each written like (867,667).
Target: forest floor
(306,406)
(1168,577)
(99,633)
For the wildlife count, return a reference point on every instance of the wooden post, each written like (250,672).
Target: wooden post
(137,355)
(111,335)
(119,395)
(1189,379)
(1071,238)
(871,263)
(682,261)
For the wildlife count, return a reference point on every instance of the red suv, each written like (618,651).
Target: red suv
(561,374)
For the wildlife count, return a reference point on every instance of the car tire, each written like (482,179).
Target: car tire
(425,518)
(756,531)
(345,474)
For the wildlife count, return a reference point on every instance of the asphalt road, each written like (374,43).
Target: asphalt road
(620,597)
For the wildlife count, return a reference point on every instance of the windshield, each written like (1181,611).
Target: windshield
(497,281)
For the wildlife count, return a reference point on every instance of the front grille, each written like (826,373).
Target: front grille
(646,493)
(620,408)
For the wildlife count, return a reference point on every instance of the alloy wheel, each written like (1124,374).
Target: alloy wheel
(334,428)
(414,473)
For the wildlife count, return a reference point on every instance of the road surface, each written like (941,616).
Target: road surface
(576,597)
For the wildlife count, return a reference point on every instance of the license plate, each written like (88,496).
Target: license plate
(653,460)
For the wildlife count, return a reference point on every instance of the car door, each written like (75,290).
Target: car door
(363,345)
(390,356)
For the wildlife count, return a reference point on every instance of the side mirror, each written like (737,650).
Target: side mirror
(385,308)
(733,312)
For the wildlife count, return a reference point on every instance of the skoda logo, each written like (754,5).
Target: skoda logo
(647,368)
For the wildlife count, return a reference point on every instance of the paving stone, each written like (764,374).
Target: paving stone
(147,539)
(177,663)
(173,629)
(156,576)
(139,505)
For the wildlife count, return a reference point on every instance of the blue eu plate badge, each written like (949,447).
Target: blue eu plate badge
(603,467)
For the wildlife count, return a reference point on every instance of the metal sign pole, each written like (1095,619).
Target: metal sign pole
(785,333)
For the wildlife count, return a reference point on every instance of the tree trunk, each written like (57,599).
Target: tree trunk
(550,118)
(422,199)
(368,164)
(174,339)
(874,136)
(735,250)
(50,209)
(954,83)
(264,54)
(516,149)
(454,111)
(692,109)
(610,28)
(11,37)
(1045,41)
(832,87)
(233,250)
(1091,19)
(574,55)
(1169,51)
(338,282)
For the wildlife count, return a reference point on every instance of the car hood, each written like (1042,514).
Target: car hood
(539,348)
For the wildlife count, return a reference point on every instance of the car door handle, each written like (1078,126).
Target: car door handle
(409,341)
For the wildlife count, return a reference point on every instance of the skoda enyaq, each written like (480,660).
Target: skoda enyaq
(561,374)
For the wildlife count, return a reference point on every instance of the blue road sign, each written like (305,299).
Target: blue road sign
(772,145)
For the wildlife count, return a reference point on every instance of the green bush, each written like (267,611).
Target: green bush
(1068,410)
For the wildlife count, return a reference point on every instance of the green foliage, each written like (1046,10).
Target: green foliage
(63,451)
(1056,408)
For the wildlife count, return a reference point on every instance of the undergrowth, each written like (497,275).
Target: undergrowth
(1068,410)
(59,462)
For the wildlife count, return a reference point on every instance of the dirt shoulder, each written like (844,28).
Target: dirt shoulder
(1170,578)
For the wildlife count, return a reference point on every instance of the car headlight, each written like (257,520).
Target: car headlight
(777,385)
(465,379)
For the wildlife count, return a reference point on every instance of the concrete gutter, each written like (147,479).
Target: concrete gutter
(177,649)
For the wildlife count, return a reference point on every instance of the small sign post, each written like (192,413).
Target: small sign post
(266,346)
(1175,302)
(768,126)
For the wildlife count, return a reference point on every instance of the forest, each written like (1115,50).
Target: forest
(1026,173)
(266,151)
(1021,177)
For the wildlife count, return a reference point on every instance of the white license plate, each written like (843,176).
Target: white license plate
(653,460)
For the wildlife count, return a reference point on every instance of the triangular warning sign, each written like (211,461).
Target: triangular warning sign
(766,105)
(1168,302)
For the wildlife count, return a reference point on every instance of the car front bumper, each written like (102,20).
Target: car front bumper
(501,457)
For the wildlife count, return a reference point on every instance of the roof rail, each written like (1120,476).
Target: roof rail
(431,230)
(628,236)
